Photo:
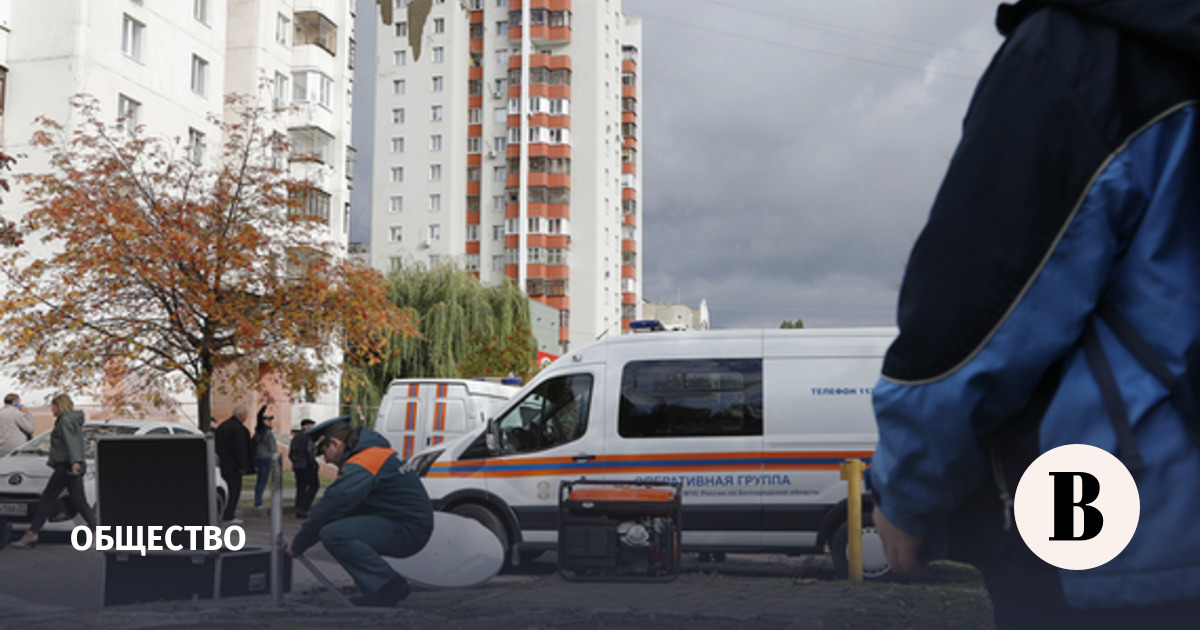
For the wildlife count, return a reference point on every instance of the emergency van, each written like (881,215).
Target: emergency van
(753,424)
(419,412)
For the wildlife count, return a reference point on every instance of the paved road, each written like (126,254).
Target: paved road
(55,586)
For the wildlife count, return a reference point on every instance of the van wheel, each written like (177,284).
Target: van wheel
(488,519)
(875,563)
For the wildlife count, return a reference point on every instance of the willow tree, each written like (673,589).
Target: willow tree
(157,272)
(465,330)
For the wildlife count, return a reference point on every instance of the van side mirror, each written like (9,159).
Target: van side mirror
(493,437)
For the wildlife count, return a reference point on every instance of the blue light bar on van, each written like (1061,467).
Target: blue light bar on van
(510,380)
(646,325)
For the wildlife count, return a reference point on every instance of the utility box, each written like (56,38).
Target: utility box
(619,530)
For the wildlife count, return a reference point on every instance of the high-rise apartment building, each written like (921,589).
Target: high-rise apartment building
(513,151)
(168,66)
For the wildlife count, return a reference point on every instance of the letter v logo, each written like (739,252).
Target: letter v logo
(1077,507)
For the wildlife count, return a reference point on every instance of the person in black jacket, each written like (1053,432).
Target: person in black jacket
(304,465)
(236,456)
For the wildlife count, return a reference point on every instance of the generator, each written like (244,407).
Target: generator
(619,530)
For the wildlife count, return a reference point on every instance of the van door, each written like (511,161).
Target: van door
(554,433)
(402,418)
(449,413)
(698,422)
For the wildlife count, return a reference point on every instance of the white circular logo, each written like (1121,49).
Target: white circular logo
(1077,507)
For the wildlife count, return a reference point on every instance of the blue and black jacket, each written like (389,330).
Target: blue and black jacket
(370,482)
(1076,183)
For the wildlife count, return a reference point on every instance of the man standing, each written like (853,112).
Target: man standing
(303,456)
(16,424)
(372,510)
(1060,261)
(236,456)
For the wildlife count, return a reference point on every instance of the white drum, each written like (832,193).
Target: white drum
(461,553)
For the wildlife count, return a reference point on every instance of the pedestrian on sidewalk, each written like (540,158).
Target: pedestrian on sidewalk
(303,456)
(264,448)
(16,424)
(67,452)
(236,457)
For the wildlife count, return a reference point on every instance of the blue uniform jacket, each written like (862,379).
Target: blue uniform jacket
(370,482)
(1076,179)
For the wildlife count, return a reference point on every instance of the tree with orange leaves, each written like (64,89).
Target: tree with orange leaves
(159,271)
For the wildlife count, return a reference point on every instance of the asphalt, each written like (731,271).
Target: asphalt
(55,586)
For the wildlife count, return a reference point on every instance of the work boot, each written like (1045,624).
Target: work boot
(389,595)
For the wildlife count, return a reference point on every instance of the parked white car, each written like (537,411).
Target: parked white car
(24,473)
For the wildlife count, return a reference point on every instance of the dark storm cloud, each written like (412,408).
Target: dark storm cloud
(787,171)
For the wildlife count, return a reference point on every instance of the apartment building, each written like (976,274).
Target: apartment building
(168,66)
(513,151)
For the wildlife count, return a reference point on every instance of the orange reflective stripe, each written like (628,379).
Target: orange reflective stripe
(371,458)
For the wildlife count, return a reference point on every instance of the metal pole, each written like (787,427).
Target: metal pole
(852,470)
(325,581)
(276,530)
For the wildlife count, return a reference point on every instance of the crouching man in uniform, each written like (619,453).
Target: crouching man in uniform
(372,510)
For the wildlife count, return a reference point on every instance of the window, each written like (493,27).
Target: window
(131,38)
(435,232)
(399,57)
(435,172)
(435,142)
(500,143)
(281,91)
(502,57)
(689,398)
(556,257)
(435,113)
(499,173)
(498,263)
(559,226)
(311,143)
(439,25)
(283,26)
(439,54)
(395,233)
(474,116)
(398,86)
(474,145)
(472,262)
(511,225)
(200,10)
(498,203)
(553,414)
(473,232)
(556,287)
(502,28)
(313,205)
(199,75)
(398,145)
(629,259)
(312,28)
(397,115)
(473,175)
(397,175)
(560,106)
(127,113)
(476,31)
(497,232)
(195,147)
(628,285)
(311,86)
(438,83)
(401,29)
(435,202)
(500,115)
(396,204)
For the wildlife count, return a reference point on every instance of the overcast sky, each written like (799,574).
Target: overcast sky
(791,150)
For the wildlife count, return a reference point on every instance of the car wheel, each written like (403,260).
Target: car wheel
(875,563)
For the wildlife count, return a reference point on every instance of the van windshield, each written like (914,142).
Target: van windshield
(554,413)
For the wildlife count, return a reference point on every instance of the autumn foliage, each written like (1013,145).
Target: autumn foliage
(155,272)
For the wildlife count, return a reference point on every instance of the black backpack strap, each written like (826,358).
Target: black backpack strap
(1184,390)
(1127,446)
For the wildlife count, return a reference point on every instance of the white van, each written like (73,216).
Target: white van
(419,412)
(754,424)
